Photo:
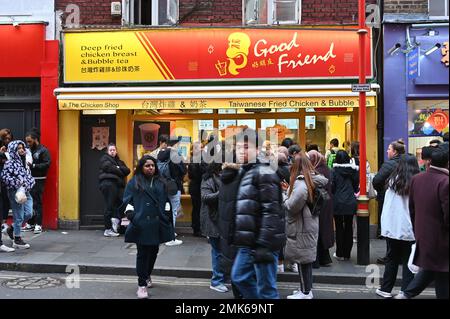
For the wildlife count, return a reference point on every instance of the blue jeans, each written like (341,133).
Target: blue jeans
(175,200)
(21,212)
(218,277)
(255,281)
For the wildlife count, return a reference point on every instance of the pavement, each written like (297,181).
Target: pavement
(58,251)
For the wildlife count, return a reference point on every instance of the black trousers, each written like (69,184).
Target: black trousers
(145,262)
(344,235)
(36,192)
(112,195)
(196,205)
(423,279)
(306,277)
(397,254)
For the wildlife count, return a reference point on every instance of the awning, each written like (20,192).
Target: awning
(216,97)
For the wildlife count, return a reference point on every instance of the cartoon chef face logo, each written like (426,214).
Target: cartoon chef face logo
(237,52)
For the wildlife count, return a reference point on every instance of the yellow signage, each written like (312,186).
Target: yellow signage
(168,104)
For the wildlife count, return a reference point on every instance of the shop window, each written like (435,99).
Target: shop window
(438,8)
(151,12)
(282,127)
(271,12)
(427,120)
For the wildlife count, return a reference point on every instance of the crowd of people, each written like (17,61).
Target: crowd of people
(259,218)
(23,172)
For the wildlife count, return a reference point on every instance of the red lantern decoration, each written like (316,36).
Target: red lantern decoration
(438,120)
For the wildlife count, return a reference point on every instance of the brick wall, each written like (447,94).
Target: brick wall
(229,12)
(316,12)
(406,6)
(96,12)
(213,12)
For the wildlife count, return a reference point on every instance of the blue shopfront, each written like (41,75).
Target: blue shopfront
(416,83)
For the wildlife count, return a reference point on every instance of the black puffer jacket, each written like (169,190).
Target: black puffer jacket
(113,169)
(228,190)
(345,183)
(259,212)
(379,180)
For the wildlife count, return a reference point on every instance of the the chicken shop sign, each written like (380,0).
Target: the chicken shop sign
(212,54)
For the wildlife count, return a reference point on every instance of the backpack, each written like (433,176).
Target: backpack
(164,172)
(321,197)
(331,159)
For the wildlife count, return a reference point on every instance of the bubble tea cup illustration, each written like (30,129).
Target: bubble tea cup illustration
(149,135)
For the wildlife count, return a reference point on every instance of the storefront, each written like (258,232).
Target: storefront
(28,76)
(297,82)
(416,83)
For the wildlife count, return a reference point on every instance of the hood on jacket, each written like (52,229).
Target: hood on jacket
(12,149)
(229,172)
(346,169)
(164,155)
(318,180)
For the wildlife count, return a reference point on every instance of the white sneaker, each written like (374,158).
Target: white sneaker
(401,295)
(338,258)
(27,227)
(280,268)
(383,294)
(115,224)
(295,268)
(175,242)
(110,233)
(6,249)
(300,295)
(219,288)
(142,293)
(149,283)
(37,229)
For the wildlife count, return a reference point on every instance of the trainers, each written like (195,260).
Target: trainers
(115,224)
(149,283)
(27,227)
(175,242)
(219,288)
(20,244)
(10,232)
(383,294)
(338,258)
(300,295)
(110,233)
(401,295)
(142,293)
(6,249)
(280,268)
(37,229)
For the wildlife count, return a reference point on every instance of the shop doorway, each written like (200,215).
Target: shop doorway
(95,131)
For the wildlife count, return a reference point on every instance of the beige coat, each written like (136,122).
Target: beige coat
(302,229)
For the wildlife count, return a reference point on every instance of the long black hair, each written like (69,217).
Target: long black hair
(139,171)
(342,157)
(400,179)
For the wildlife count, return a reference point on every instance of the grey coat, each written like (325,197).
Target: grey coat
(302,229)
(209,212)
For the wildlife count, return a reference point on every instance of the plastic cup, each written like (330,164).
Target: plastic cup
(149,135)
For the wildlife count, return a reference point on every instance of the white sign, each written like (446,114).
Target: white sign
(361,87)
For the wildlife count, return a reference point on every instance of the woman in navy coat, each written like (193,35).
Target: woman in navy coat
(148,209)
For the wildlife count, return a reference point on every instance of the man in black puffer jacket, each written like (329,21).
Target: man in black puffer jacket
(259,223)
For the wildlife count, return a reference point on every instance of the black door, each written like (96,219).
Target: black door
(91,199)
(19,118)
